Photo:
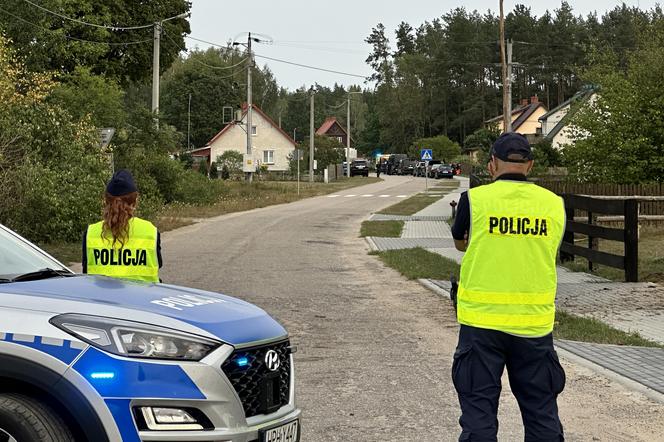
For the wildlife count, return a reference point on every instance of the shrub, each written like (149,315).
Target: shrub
(214,173)
(194,188)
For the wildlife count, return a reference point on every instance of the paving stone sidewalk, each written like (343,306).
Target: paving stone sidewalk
(640,364)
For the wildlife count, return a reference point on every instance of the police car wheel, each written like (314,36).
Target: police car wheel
(24,419)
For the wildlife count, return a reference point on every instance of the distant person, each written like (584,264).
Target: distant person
(510,230)
(378,166)
(122,245)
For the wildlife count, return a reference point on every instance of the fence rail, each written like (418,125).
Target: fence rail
(629,235)
(647,206)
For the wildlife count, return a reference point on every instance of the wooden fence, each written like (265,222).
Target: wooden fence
(628,209)
(646,208)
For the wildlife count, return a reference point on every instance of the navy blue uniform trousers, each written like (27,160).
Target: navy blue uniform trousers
(535,375)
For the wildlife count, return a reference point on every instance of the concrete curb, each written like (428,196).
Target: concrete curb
(611,375)
(578,360)
(434,288)
(372,244)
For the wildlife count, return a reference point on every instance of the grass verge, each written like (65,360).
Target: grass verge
(576,328)
(384,229)
(65,252)
(419,263)
(651,257)
(411,205)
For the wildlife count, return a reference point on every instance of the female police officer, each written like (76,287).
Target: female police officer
(122,245)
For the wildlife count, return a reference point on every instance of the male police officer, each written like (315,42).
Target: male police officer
(511,231)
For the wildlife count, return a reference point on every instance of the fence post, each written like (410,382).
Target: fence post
(591,241)
(568,236)
(631,240)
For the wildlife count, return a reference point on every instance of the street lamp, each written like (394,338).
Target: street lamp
(348,134)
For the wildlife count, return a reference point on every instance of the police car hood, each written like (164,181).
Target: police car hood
(229,319)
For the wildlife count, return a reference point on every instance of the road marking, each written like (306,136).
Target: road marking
(402,196)
(333,196)
(367,196)
(349,196)
(384,196)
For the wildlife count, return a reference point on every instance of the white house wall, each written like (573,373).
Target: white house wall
(267,137)
(553,119)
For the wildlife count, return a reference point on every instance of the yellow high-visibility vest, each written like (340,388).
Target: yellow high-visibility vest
(508,274)
(136,260)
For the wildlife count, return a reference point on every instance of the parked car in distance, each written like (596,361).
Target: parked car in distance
(406,167)
(433,170)
(432,163)
(444,171)
(393,162)
(359,167)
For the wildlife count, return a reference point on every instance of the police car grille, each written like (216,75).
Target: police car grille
(249,375)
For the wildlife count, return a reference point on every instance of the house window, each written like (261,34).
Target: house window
(268,157)
(340,140)
(254,130)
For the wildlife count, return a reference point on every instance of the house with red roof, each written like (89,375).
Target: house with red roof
(271,146)
(331,128)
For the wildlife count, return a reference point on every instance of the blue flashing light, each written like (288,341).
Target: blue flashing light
(102,375)
(242,362)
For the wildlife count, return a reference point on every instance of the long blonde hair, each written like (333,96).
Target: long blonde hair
(118,210)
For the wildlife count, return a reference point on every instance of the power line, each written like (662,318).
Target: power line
(208,42)
(283,61)
(69,37)
(310,67)
(221,68)
(110,27)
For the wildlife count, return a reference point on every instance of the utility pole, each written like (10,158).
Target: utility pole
(189,125)
(348,139)
(509,86)
(311,136)
(155,71)
(250,62)
(298,152)
(348,134)
(507,99)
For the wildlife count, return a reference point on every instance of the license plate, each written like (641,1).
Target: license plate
(285,433)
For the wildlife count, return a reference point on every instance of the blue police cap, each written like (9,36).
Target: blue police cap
(513,148)
(122,183)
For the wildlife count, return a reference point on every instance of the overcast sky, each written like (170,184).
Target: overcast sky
(330,34)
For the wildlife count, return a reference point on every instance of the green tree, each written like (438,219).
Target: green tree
(619,137)
(52,171)
(443,148)
(85,94)
(50,43)
(481,140)
(327,151)
(214,79)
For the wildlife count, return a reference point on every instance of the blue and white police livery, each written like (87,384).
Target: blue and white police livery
(88,358)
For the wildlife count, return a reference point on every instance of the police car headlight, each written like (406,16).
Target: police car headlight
(135,339)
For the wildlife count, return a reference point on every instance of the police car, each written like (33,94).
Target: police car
(88,358)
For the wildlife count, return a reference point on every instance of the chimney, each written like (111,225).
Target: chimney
(524,102)
(534,99)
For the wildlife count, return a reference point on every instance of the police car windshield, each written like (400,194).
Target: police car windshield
(18,257)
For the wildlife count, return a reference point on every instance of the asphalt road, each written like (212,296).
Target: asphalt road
(374,350)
